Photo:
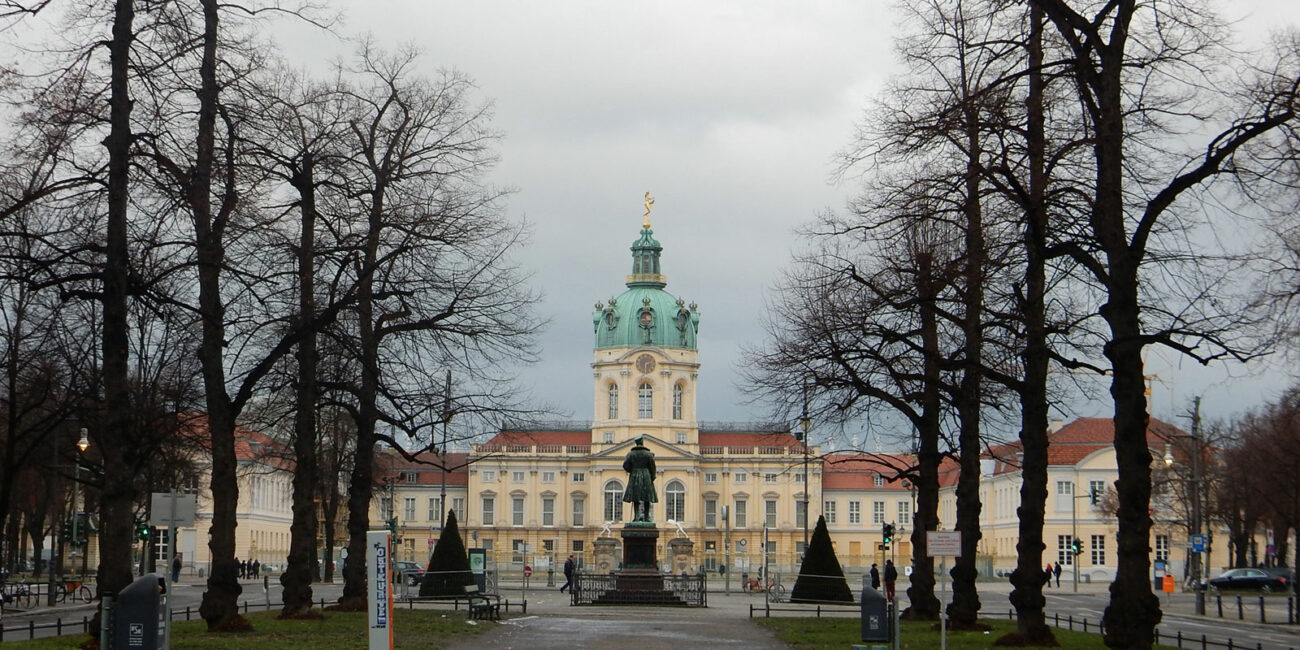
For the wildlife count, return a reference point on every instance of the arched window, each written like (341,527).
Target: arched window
(645,400)
(677,402)
(675,501)
(613,401)
(613,501)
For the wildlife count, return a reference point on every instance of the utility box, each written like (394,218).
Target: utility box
(139,614)
(876,623)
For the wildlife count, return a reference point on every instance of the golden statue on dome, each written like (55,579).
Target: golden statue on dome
(649,201)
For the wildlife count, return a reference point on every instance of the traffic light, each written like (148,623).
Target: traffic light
(1076,547)
(1093,495)
(889,533)
(142,531)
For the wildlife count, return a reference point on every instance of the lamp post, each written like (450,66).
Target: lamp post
(805,424)
(82,445)
(1194,558)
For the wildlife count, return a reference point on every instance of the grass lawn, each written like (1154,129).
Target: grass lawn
(419,628)
(840,633)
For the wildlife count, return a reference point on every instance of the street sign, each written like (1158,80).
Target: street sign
(528,571)
(1198,543)
(432,541)
(945,543)
(172,509)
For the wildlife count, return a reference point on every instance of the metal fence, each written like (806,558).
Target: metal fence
(684,590)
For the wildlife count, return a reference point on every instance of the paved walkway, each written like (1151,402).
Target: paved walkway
(553,624)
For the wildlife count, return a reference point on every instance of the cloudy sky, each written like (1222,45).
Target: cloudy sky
(730,113)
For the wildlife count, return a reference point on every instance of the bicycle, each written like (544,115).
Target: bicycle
(18,593)
(74,590)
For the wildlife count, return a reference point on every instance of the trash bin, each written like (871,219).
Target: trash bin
(138,613)
(876,624)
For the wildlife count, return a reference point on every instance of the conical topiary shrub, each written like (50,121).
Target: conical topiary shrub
(820,577)
(448,571)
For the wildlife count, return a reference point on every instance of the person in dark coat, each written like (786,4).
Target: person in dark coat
(176,568)
(257,569)
(1047,575)
(891,576)
(1057,572)
(875,577)
(569,568)
(243,568)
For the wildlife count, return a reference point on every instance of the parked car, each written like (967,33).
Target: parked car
(1286,573)
(409,572)
(1247,579)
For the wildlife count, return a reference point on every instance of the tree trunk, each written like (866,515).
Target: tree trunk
(354,571)
(1026,580)
(965,606)
(923,603)
(220,601)
(302,544)
(118,496)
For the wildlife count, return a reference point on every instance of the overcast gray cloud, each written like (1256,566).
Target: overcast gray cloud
(729,112)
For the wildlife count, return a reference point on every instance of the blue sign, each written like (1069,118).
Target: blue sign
(1198,543)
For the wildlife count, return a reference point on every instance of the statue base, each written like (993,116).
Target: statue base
(639,541)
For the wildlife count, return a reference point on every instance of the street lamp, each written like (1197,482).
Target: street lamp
(83,444)
(805,424)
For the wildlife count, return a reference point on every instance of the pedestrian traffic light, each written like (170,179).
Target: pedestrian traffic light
(889,533)
(142,531)
(1076,547)
(1093,495)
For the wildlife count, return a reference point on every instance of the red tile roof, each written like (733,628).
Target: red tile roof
(541,438)
(250,445)
(1074,442)
(427,465)
(769,439)
(858,471)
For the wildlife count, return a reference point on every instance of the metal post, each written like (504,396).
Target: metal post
(805,423)
(167,573)
(726,545)
(1074,535)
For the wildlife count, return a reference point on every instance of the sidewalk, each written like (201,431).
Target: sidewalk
(553,624)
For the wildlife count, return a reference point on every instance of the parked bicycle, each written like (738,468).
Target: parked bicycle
(72,589)
(16,594)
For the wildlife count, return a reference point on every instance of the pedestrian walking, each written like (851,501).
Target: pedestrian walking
(875,577)
(569,568)
(176,568)
(1057,573)
(257,569)
(243,568)
(1047,575)
(891,576)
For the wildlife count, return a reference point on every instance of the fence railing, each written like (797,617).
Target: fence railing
(688,590)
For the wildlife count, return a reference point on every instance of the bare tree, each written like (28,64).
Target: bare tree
(1120,50)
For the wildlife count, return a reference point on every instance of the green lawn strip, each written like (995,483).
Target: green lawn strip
(418,628)
(840,633)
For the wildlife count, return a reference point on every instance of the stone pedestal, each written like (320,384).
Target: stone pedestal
(639,541)
(604,560)
(682,553)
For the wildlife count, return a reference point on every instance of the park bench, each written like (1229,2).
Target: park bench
(483,606)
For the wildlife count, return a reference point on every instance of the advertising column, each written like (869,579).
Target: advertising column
(381,593)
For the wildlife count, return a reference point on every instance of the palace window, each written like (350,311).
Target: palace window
(675,501)
(855,513)
(877,512)
(677,402)
(516,477)
(828,511)
(613,401)
(710,477)
(878,481)
(742,519)
(489,510)
(1098,550)
(548,477)
(1162,547)
(435,509)
(710,513)
(517,511)
(1063,555)
(408,508)
(769,513)
(579,477)
(613,501)
(645,400)
(548,511)
(800,513)
(740,477)
(904,513)
(579,511)
(458,507)
(489,476)
(769,478)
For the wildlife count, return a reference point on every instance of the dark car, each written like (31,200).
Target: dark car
(1248,579)
(1284,573)
(409,572)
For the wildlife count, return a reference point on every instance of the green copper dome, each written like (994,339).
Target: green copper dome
(645,314)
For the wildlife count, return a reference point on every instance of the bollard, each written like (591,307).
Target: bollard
(1261,610)
(1219,601)
(1241,615)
